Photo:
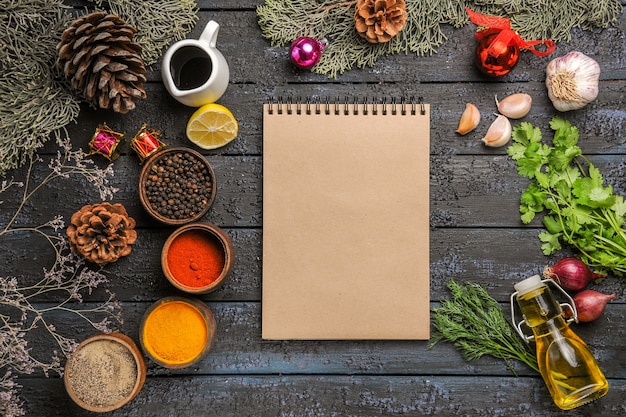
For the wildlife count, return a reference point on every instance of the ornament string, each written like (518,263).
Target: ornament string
(507,35)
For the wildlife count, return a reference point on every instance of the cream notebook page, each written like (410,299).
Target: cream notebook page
(346,222)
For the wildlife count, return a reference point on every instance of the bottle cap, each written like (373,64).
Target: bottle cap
(528,284)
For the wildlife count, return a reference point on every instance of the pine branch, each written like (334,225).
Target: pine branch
(34,105)
(159,23)
(283,21)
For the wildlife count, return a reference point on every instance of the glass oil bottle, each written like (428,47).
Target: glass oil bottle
(567,366)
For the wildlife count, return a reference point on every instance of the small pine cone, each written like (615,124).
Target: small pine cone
(102,233)
(98,56)
(379,20)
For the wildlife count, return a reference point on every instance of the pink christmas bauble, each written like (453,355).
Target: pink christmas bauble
(305,52)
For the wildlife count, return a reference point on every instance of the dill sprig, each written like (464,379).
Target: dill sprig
(475,323)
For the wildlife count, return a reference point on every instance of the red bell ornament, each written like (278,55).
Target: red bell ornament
(496,56)
(499,46)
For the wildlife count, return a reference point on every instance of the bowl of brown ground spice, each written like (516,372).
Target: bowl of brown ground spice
(105,372)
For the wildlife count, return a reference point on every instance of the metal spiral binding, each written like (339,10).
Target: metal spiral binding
(359,107)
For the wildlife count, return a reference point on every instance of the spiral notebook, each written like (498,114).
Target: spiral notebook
(346,220)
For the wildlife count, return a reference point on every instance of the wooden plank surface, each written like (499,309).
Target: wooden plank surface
(342,395)
(476,235)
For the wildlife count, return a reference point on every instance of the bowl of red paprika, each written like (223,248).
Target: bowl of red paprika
(198,257)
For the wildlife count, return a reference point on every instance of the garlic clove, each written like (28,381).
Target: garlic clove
(515,106)
(499,133)
(469,119)
(572,81)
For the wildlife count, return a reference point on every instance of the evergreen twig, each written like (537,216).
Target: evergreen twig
(36,104)
(283,21)
(159,23)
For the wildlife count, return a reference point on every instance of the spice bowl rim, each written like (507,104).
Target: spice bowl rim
(142,189)
(205,312)
(227,248)
(127,343)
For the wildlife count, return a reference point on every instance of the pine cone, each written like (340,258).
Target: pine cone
(379,20)
(98,56)
(102,233)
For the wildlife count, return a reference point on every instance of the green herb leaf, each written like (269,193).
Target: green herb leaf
(565,135)
(552,242)
(591,192)
(475,323)
(565,155)
(552,225)
(564,179)
(580,210)
(619,207)
(580,214)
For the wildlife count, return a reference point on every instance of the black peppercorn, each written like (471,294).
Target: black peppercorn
(179,185)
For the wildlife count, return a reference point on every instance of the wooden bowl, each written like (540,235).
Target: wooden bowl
(177,193)
(200,275)
(105,372)
(163,339)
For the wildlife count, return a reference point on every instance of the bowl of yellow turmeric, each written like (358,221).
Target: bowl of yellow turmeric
(177,332)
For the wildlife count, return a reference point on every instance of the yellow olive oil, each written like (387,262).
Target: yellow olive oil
(567,366)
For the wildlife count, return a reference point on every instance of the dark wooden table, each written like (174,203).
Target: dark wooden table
(476,235)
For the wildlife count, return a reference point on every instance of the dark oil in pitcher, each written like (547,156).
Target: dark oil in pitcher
(191,67)
(567,366)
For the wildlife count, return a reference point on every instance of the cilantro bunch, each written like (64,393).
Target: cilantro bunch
(579,209)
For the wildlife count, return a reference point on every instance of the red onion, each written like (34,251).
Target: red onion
(589,304)
(571,273)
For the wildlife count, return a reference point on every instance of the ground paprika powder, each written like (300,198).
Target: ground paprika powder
(195,258)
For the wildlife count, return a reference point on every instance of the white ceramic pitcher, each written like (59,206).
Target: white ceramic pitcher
(194,71)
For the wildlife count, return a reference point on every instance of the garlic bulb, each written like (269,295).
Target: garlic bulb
(499,133)
(469,119)
(572,81)
(515,106)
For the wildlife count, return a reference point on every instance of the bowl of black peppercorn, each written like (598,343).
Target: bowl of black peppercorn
(177,186)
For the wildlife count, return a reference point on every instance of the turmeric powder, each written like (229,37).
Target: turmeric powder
(175,333)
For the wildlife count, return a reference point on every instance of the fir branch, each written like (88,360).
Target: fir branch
(475,323)
(34,104)
(159,23)
(283,21)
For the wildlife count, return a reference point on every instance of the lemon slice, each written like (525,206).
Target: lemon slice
(212,126)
